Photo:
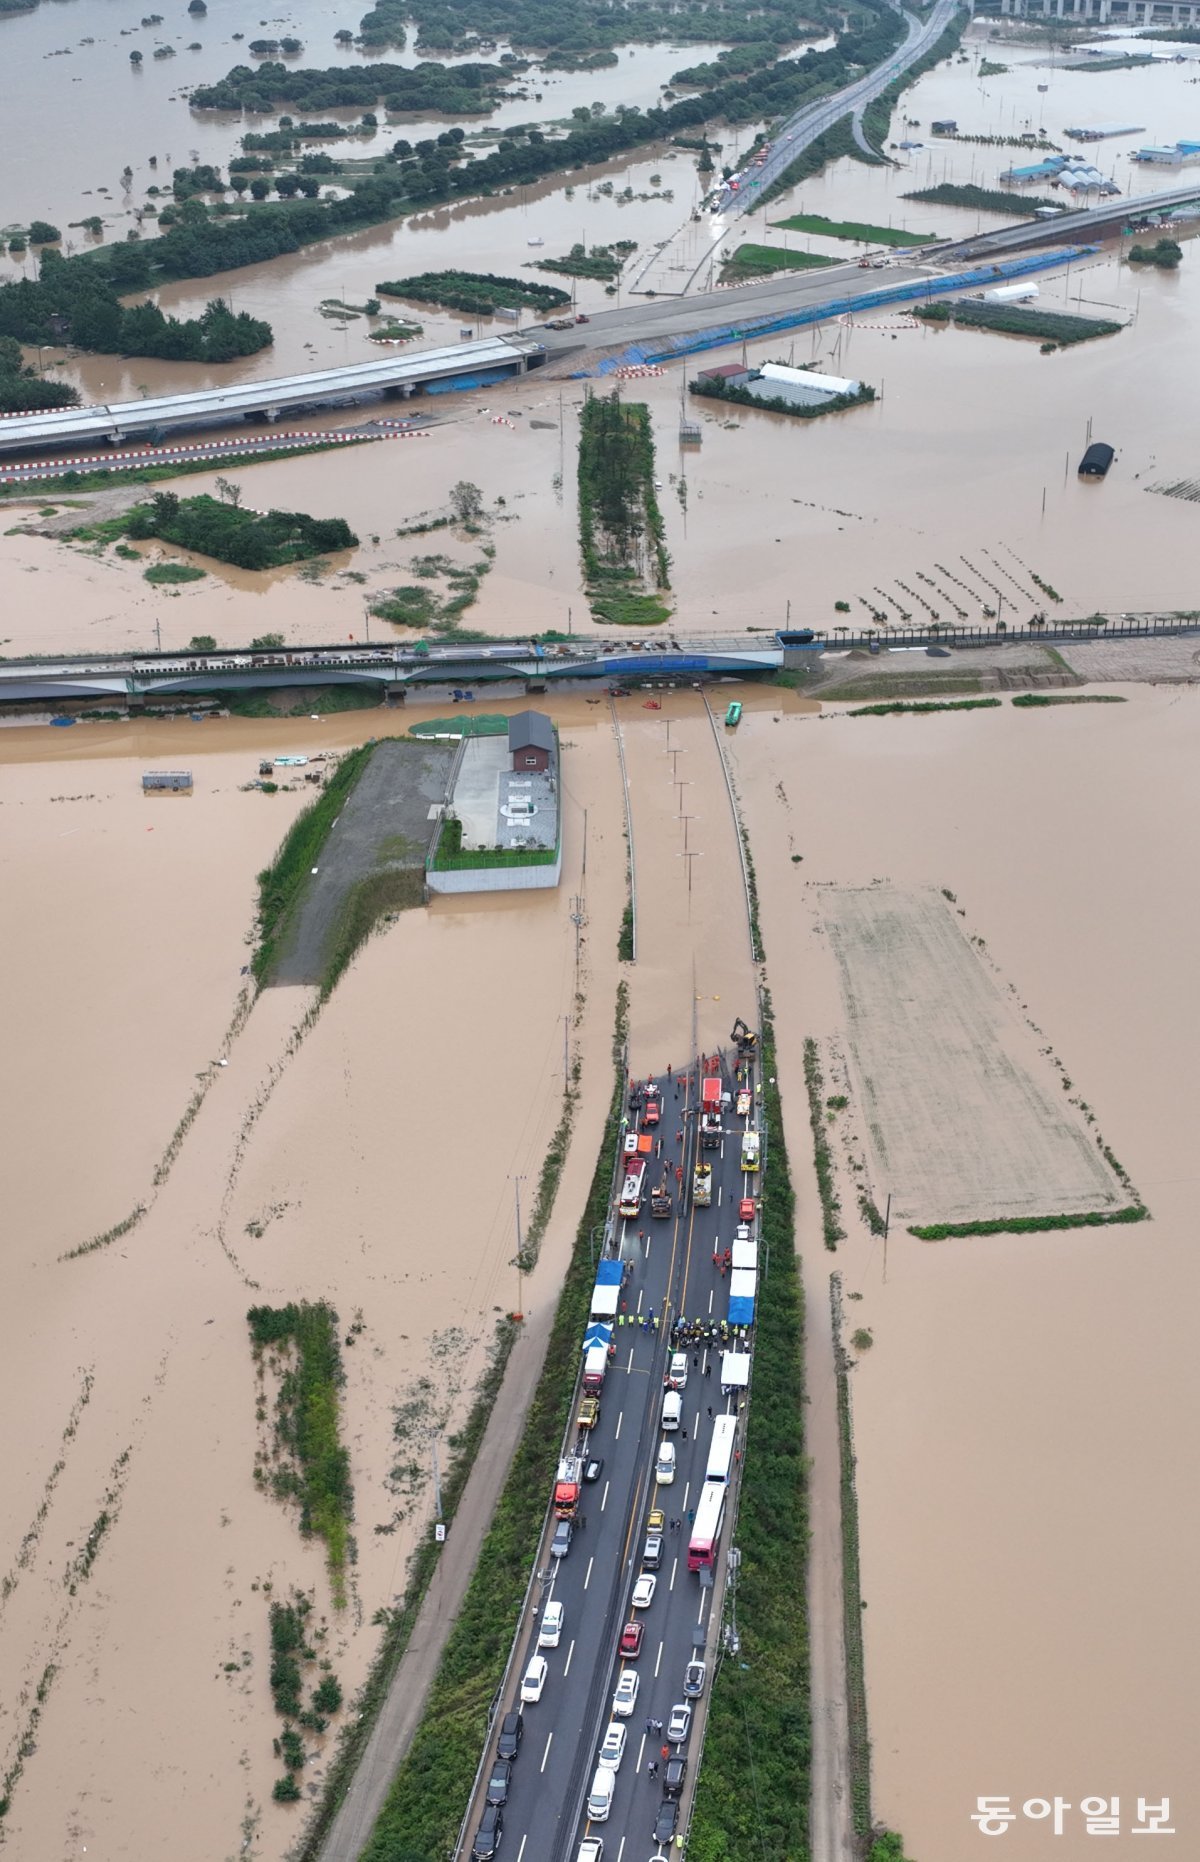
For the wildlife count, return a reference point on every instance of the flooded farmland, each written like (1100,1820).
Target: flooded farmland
(1028,1402)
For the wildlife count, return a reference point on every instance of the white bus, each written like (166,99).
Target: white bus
(720,1453)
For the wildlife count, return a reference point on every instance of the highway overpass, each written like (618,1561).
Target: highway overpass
(492,358)
(131,679)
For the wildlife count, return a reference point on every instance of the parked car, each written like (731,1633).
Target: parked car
(674,1775)
(550,1633)
(678,1372)
(593,1469)
(694,1676)
(560,1544)
(612,1751)
(667,1818)
(664,1467)
(643,1591)
(625,1698)
(498,1783)
(631,1640)
(488,1835)
(652,1552)
(512,1728)
(600,1797)
(679,1725)
(656,1520)
(591,1850)
(534,1679)
(589,1412)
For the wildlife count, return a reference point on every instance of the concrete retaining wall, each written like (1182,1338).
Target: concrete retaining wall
(497,878)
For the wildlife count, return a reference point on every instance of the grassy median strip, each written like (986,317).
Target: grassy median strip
(753,1790)
(1031,1224)
(831,1202)
(280,884)
(429,1792)
(916,706)
(856,1681)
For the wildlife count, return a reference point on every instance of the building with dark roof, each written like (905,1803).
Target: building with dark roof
(531,740)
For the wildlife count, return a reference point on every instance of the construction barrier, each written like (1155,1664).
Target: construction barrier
(215,449)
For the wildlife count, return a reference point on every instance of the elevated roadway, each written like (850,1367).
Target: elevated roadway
(493,357)
(671,1272)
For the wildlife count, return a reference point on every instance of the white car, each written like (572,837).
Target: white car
(678,1372)
(625,1698)
(664,1467)
(643,1591)
(613,1749)
(534,1679)
(550,1633)
(680,1723)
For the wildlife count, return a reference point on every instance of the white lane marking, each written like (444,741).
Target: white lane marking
(521,1850)
(629,1366)
(720,1193)
(604,1497)
(620,1849)
(546,1753)
(588,1578)
(686,1487)
(641,1291)
(696,1427)
(641,1751)
(570,1652)
(671,1585)
(620,1419)
(711,1294)
(658,1661)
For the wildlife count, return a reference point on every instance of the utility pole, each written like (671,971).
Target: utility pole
(685,819)
(516,1183)
(887,1223)
(566,1029)
(158,635)
(437,1481)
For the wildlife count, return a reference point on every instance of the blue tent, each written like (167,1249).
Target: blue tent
(597,1334)
(741,1311)
(609,1274)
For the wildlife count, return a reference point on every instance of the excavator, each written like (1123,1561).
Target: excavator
(745,1037)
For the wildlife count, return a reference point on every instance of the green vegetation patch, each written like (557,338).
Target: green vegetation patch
(78,300)
(621,535)
(458,90)
(431,1787)
(169,572)
(922,705)
(877,117)
(601,262)
(856,1677)
(1048,326)
(1030,701)
(1165,253)
(487,724)
(754,261)
(478,294)
(1031,1224)
(303,1340)
(982,199)
(281,883)
(831,1202)
(248,539)
(759,1718)
(23,390)
(851,229)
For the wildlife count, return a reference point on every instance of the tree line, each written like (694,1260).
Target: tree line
(76,301)
(21,389)
(460,90)
(247,539)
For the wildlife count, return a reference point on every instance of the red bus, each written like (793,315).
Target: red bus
(706,1528)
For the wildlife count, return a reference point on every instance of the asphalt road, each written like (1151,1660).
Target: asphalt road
(673,1267)
(794,136)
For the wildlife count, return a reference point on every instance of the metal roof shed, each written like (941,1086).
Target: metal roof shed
(530,730)
(1096,460)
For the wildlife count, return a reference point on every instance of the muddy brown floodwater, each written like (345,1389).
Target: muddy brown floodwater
(371,1165)
(1025,1415)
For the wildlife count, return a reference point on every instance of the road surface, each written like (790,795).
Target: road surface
(671,1266)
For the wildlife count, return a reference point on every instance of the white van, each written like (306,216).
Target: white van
(664,1467)
(550,1633)
(672,1410)
(600,1797)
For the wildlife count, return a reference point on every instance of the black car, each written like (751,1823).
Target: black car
(488,1835)
(667,1818)
(498,1783)
(593,1469)
(674,1774)
(512,1726)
